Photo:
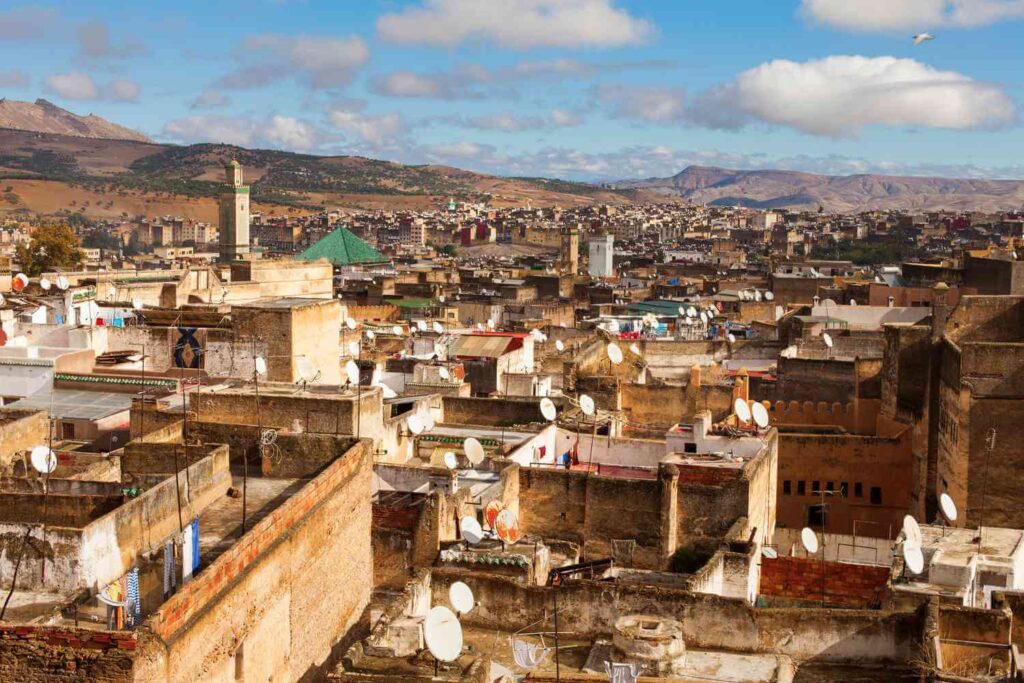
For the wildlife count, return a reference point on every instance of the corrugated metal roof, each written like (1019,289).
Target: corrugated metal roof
(480,346)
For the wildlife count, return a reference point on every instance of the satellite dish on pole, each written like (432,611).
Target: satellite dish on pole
(370,334)
(742,411)
(387,392)
(559,345)
(421,325)
(397,330)
(472,533)
(760,415)
(635,349)
(352,372)
(911,532)
(415,423)
(307,371)
(809,540)
(350,323)
(587,405)
(548,409)
(614,353)
(444,374)
(769,296)
(353,348)
(683,311)
(261,365)
(43,460)
(442,633)
(45,284)
(19,282)
(731,338)
(506,525)
(62,283)
(474,450)
(827,338)
(461,597)
(914,558)
(948,507)
(691,312)
(704,317)
(450,461)
(438,327)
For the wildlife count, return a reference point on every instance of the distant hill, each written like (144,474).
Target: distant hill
(792,189)
(42,116)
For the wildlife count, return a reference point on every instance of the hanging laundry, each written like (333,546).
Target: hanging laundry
(195,544)
(186,554)
(133,607)
(169,579)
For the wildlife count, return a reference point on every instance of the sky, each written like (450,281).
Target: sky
(594,90)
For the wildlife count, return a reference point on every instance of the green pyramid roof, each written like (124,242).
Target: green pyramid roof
(342,248)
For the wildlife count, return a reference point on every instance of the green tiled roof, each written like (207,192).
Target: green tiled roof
(342,248)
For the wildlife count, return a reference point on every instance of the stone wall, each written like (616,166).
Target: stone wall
(39,654)
(20,430)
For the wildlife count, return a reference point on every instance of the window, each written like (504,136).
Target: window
(876,495)
(830,486)
(844,489)
(689,448)
(816,488)
(67,430)
(858,490)
(816,516)
(787,488)
(801,488)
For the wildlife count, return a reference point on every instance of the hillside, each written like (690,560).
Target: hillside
(42,116)
(124,176)
(792,189)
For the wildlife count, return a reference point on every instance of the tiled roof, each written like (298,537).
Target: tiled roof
(342,248)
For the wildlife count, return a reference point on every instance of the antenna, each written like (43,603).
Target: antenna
(760,415)
(742,411)
(809,539)
(442,633)
(548,409)
(474,450)
(470,529)
(461,597)
(587,405)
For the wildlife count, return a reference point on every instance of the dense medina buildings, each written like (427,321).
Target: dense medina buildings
(675,442)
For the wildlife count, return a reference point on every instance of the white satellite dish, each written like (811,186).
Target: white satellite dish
(43,460)
(760,415)
(548,409)
(428,421)
(261,365)
(443,373)
(461,597)
(914,558)
(137,304)
(587,405)
(442,633)
(691,312)
(397,330)
(421,325)
(352,372)
(370,334)
(307,371)
(62,283)
(480,327)
(2,299)
(911,532)
(559,345)
(770,553)
(387,392)
(827,338)
(353,348)
(853,302)
(415,423)
(731,337)
(438,327)
(474,450)
(45,284)
(634,349)
(350,323)
(742,410)
(682,310)
(809,539)
(948,507)
(704,317)
(450,461)
(614,353)
(769,296)
(490,324)
(471,531)
(757,295)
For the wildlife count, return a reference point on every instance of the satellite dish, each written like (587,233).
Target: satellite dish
(19,282)
(261,365)
(442,633)
(461,597)
(683,311)
(914,558)
(450,461)
(2,299)
(506,525)
(731,337)
(45,284)
(948,507)
(853,302)
(742,410)
(370,334)
(691,312)
(587,405)
(704,317)
(548,409)
(474,450)
(421,325)
(614,353)
(397,330)
(350,323)
(352,372)
(559,345)
(760,415)
(387,392)
(353,348)
(911,531)
(137,304)
(634,349)
(438,327)
(428,421)
(43,460)
(307,371)
(472,533)
(827,338)
(769,296)
(809,539)
(480,327)
(757,295)
(415,423)
(62,283)
(443,373)
(770,553)
(490,324)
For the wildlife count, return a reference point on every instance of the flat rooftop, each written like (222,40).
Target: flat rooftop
(74,404)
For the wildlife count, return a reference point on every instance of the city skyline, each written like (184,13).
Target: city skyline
(581,89)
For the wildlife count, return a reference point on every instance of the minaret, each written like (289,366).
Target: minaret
(570,251)
(234,215)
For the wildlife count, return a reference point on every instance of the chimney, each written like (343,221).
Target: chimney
(695,376)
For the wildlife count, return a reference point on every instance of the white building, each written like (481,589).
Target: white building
(601,251)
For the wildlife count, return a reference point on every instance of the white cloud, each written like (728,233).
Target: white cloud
(230,130)
(916,15)
(456,85)
(323,62)
(94,42)
(378,131)
(74,85)
(123,90)
(838,96)
(563,118)
(643,103)
(15,78)
(291,133)
(25,23)
(210,99)
(516,24)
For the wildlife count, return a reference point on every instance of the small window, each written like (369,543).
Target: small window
(67,430)
(858,490)
(801,488)
(787,488)
(876,495)
(844,489)
(816,488)
(830,486)
(816,516)
(689,448)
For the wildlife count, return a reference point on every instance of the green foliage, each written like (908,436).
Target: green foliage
(51,248)
(448,250)
(867,253)
(100,239)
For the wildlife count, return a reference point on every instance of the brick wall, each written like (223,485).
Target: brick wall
(30,654)
(796,580)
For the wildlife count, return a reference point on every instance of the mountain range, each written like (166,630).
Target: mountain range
(54,161)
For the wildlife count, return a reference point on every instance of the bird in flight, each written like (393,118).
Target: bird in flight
(923,37)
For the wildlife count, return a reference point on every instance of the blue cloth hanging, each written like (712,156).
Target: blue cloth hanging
(195,544)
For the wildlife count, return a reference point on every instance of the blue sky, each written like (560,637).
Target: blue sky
(586,89)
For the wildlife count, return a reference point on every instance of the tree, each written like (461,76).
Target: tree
(51,248)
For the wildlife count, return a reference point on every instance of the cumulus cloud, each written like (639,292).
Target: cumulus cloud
(14,78)
(94,42)
(516,24)
(210,99)
(377,131)
(25,23)
(508,122)
(322,62)
(643,103)
(459,84)
(886,15)
(76,85)
(278,132)
(838,96)
(291,133)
